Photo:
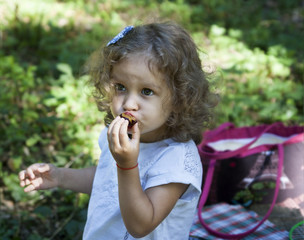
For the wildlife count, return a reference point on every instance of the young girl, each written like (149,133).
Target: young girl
(148,179)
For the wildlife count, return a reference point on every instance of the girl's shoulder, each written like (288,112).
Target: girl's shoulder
(170,155)
(173,162)
(170,143)
(184,149)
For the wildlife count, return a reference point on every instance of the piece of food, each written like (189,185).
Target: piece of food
(130,118)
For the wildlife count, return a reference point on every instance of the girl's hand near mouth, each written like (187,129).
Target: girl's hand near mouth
(124,150)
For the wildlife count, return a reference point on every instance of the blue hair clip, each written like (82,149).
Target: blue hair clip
(120,35)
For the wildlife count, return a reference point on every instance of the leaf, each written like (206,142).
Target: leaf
(33,140)
(73,227)
(15,163)
(65,68)
(43,211)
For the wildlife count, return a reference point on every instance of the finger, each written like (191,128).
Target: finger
(44,168)
(135,133)
(22,183)
(110,129)
(115,138)
(123,133)
(32,169)
(29,188)
(34,185)
(113,122)
(30,172)
(25,182)
(22,175)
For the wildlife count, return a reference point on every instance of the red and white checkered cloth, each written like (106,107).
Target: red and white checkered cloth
(234,219)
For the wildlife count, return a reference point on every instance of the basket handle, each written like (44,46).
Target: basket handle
(206,190)
(210,134)
(229,154)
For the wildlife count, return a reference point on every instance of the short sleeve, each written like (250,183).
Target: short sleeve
(178,163)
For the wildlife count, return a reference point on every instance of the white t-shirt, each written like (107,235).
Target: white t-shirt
(159,163)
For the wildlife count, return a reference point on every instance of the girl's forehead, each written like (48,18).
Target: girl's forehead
(143,57)
(138,63)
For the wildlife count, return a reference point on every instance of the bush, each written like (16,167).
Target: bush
(257,87)
(51,121)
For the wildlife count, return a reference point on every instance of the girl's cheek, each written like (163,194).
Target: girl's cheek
(115,106)
(113,111)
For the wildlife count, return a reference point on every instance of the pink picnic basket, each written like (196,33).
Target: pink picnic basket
(250,140)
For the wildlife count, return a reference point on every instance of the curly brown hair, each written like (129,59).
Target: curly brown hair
(172,52)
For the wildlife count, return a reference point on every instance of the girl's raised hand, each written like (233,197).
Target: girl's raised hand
(39,176)
(124,150)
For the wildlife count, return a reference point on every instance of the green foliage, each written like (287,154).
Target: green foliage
(48,115)
(33,40)
(44,119)
(258,86)
(50,121)
(256,193)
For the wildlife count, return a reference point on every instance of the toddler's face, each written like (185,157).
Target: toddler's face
(142,94)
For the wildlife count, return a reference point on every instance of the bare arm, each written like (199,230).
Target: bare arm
(142,211)
(77,180)
(41,176)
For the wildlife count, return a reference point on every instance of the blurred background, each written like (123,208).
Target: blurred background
(253,48)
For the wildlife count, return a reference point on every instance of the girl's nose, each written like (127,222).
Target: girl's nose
(130,103)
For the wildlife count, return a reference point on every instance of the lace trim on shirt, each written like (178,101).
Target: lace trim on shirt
(191,165)
(126,237)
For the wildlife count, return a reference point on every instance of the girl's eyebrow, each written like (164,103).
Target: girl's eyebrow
(145,84)
(153,86)
(113,77)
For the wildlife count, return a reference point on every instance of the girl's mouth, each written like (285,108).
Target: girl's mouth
(132,120)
